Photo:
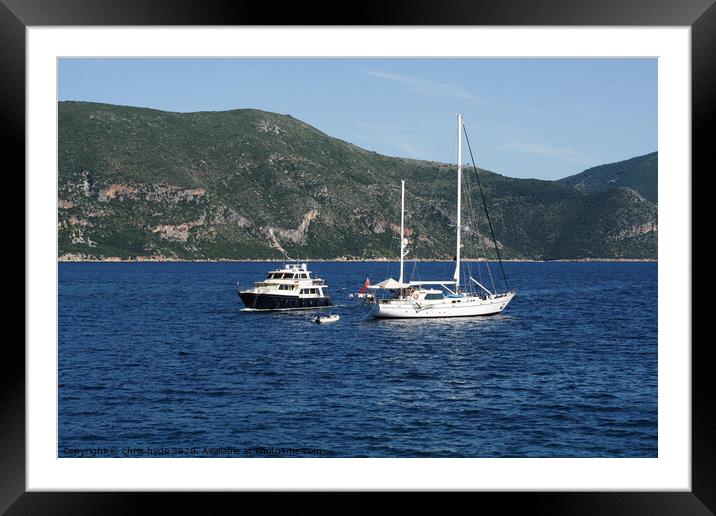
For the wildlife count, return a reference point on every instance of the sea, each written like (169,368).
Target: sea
(161,360)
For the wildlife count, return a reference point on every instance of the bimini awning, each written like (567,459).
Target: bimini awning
(390,284)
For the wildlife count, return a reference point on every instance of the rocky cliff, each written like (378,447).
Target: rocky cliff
(249,184)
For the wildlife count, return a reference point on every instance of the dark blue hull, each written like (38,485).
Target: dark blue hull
(274,302)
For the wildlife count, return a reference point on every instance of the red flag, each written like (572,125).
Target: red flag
(365,286)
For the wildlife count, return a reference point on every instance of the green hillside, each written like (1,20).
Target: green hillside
(247,184)
(640,174)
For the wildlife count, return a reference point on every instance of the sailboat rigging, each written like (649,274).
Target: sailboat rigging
(423,299)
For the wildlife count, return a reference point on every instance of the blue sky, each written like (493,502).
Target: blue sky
(538,118)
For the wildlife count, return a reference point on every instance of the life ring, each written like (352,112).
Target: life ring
(416,295)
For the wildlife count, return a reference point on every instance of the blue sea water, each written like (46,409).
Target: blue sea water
(157,359)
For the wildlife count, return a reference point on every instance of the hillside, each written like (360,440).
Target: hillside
(639,174)
(247,184)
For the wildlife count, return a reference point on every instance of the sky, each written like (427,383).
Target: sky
(528,118)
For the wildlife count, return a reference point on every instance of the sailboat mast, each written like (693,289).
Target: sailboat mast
(459,199)
(402,228)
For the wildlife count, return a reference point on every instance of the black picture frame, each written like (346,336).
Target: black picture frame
(700,15)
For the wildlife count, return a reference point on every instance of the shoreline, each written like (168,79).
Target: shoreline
(343,260)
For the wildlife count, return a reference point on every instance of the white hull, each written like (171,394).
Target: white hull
(326,319)
(468,306)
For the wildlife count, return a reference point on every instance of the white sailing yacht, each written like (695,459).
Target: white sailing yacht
(436,298)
